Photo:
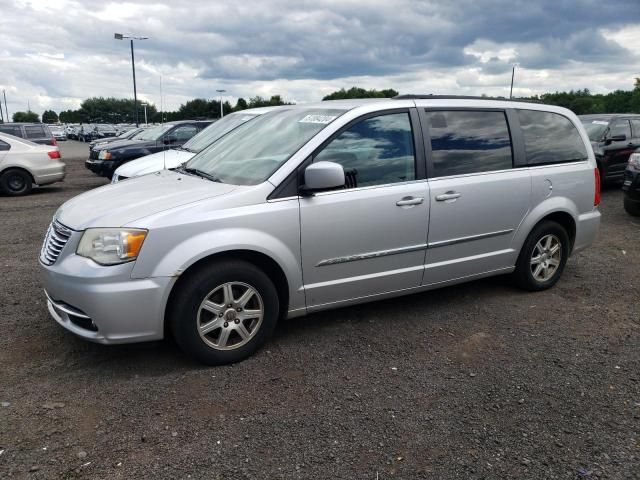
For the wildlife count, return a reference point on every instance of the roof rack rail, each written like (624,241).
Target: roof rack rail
(459,97)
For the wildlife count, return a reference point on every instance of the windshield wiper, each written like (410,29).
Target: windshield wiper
(199,173)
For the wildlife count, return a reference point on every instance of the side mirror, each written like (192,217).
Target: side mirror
(322,176)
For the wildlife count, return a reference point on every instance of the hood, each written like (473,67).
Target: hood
(122,203)
(154,163)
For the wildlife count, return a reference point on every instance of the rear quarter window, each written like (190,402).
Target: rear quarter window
(35,131)
(550,138)
(11,130)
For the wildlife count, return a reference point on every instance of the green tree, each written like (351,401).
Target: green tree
(357,92)
(241,104)
(27,116)
(49,116)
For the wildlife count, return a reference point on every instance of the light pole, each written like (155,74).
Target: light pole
(120,36)
(513,72)
(221,92)
(145,113)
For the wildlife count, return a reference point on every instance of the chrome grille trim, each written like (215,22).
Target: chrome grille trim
(54,242)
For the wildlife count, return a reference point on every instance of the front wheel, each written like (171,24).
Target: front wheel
(224,312)
(543,257)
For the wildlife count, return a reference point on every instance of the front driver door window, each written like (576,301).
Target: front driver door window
(369,237)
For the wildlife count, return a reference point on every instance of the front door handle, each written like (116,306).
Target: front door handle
(448,196)
(409,201)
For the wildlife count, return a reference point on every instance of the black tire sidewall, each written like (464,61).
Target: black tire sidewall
(524,276)
(631,207)
(5,185)
(186,302)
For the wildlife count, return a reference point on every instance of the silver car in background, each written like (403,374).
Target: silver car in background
(24,163)
(318,206)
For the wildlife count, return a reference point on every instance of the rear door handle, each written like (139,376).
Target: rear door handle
(448,196)
(409,201)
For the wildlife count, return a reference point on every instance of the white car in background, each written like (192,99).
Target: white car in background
(23,163)
(173,158)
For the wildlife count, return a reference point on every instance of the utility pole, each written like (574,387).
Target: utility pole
(513,72)
(6,109)
(221,92)
(120,36)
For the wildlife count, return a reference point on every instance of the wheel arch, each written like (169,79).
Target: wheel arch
(560,210)
(264,262)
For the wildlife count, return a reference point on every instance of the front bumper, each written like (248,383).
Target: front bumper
(104,304)
(104,168)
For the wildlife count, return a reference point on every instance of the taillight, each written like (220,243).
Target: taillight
(54,142)
(596,197)
(54,154)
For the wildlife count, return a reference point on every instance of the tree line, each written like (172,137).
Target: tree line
(122,110)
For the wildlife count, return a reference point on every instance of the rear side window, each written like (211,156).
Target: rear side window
(35,131)
(11,130)
(550,138)
(374,151)
(464,142)
(620,127)
(4,146)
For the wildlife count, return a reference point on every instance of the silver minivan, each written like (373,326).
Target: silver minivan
(317,206)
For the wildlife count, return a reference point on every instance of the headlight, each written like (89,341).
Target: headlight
(634,161)
(111,246)
(104,155)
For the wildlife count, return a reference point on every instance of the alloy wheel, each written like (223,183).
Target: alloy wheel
(230,316)
(545,258)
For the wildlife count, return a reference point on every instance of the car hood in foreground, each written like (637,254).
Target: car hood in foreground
(120,204)
(154,163)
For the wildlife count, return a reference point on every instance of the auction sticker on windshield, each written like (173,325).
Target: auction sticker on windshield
(600,122)
(324,119)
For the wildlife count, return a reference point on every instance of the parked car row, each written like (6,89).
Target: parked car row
(310,207)
(104,159)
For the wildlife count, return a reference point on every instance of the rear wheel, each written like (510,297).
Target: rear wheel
(15,181)
(543,257)
(632,208)
(224,312)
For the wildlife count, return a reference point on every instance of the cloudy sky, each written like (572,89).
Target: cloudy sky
(55,53)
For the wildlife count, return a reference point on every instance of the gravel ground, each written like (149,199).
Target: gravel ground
(473,381)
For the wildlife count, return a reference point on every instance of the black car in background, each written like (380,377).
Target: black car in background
(127,135)
(614,137)
(631,185)
(34,132)
(104,159)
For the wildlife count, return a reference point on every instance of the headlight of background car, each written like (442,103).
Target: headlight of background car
(111,246)
(104,155)
(634,161)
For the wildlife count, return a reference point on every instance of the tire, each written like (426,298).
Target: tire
(631,207)
(527,275)
(199,304)
(15,182)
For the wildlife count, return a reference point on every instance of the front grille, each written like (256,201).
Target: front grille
(93,154)
(54,241)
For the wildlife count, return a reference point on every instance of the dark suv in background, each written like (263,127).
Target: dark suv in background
(104,159)
(34,132)
(614,137)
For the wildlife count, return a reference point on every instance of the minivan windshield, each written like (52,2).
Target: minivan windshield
(216,130)
(595,128)
(252,152)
